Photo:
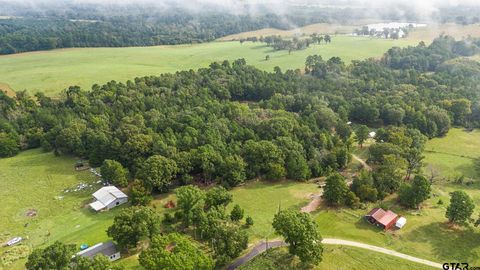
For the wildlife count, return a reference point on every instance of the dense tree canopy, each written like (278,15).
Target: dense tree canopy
(113,172)
(132,225)
(231,122)
(55,256)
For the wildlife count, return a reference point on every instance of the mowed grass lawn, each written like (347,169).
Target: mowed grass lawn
(334,257)
(262,201)
(53,71)
(36,180)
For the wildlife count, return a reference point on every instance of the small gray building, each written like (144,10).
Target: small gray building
(107,198)
(107,249)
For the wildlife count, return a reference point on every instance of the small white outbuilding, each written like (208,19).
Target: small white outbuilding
(401,222)
(107,198)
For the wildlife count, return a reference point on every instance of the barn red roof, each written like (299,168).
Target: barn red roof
(381,216)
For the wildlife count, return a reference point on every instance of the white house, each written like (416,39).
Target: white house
(107,249)
(107,198)
(401,222)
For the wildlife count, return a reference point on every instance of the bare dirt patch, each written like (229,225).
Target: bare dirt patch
(316,200)
(31,213)
(7,89)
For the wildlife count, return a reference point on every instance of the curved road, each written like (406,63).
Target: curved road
(262,246)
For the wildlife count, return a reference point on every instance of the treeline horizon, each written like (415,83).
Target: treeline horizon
(47,27)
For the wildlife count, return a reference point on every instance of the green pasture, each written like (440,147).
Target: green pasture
(262,200)
(454,154)
(53,71)
(334,257)
(34,180)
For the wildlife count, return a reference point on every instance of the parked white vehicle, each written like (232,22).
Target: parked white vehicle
(14,241)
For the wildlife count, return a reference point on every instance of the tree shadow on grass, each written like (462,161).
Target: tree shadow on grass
(462,245)
(257,47)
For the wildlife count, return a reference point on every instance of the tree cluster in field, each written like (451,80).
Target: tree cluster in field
(396,155)
(392,33)
(278,43)
(33,33)
(205,214)
(433,57)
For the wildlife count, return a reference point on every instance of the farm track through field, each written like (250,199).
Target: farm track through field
(364,164)
(263,246)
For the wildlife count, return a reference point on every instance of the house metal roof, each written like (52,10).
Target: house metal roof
(107,249)
(108,194)
(387,218)
(381,216)
(97,206)
(105,196)
(401,222)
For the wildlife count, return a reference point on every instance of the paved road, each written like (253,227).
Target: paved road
(261,247)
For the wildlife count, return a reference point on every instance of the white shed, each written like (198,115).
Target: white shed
(401,222)
(107,198)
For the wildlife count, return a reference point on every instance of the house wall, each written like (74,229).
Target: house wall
(117,202)
(114,257)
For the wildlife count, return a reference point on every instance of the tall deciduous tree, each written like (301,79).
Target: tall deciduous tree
(361,134)
(217,196)
(189,198)
(174,252)
(413,195)
(158,172)
(132,225)
(335,190)
(460,208)
(300,232)
(140,194)
(57,257)
(113,172)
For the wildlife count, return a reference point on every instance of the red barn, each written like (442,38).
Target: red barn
(381,218)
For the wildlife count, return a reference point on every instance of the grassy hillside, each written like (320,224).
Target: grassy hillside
(454,154)
(52,71)
(334,257)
